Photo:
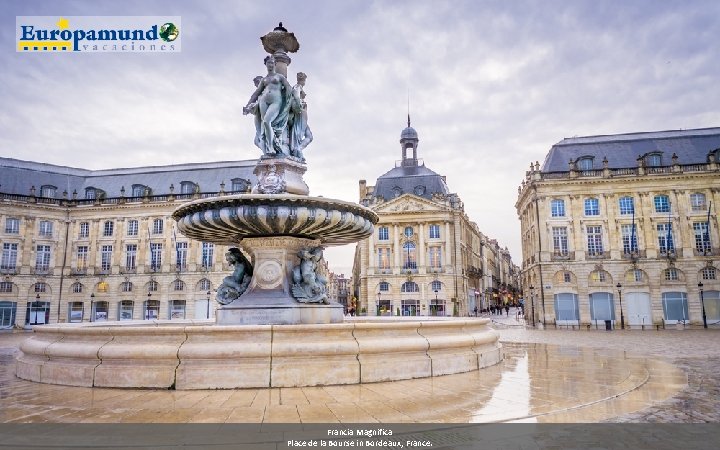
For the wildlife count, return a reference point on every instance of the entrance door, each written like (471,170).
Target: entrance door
(639,311)
(8,311)
(38,313)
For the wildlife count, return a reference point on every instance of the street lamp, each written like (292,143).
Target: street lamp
(532,303)
(622,316)
(702,301)
(377,309)
(208,304)
(92,300)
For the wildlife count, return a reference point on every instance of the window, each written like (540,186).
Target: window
(130,257)
(384,286)
(702,237)
(82,257)
(152,309)
(6,287)
(383,234)
(408,231)
(709,273)
(594,240)
(42,258)
(205,284)
(598,276)
(419,190)
(9,256)
(126,286)
(671,274)
(132,228)
(665,238)
(187,187)
(592,207)
(567,277)
(125,310)
(48,191)
(601,306)
(560,241)
(557,208)
(410,261)
(566,307)
(40,288)
(12,225)
(697,202)
(90,193)
(653,160)
(240,185)
(155,256)
(46,228)
(106,257)
(207,254)
(626,205)
(434,257)
(662,204)
(108,228)
(409,286)
(383,258)
(585,164)
(84,230)
(181,251)
(75,311)
(434,231)
(153,286)
(629,238)
(675,306)
(138,190)
(635,275)
(77,288)
(436,286)
(158,226)
(177,309)
(179,285)
(103,286)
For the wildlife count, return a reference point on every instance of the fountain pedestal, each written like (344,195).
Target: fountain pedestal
(268,300)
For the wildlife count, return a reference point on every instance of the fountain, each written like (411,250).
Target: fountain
(276,326)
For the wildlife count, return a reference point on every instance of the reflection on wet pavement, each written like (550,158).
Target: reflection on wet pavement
(535,383)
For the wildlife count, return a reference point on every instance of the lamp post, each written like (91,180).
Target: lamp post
(436,303)
(702,302)
(92,301)
(532,303)
(377,309)
(622,316)
(208,304)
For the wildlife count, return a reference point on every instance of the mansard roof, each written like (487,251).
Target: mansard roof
(17,177)
(410,179)
(623,150)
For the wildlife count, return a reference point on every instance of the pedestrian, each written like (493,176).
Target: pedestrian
(507,310)
(475,311)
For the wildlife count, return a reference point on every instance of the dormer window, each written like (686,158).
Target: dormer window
(138,190)
(187,187)
(653,160)
(397,191)
(48,191)
(585,163)
(239,185)
(90,193)
(419,190)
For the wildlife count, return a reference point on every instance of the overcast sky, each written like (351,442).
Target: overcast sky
(493,85)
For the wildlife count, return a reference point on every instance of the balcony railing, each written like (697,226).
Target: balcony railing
(598,255)
(563,256)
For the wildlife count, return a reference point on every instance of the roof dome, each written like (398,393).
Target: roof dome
(409,133)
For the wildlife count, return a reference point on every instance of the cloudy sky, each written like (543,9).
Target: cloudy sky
(492,85)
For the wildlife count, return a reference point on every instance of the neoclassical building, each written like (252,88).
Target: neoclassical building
(93,245)
(623,228)
(426,257)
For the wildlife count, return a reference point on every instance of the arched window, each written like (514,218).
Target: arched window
(40,287)
(152,286)
(179,285)
(410,286)
(103,286)
(709,273)
(126,286)
(204,285)
(384,286)
(90,193)
(187,187)
(585,163)
(592,207)
(408,231)
(409,255)
(77,288)
(48,191)
(653,160)
(138,190)
(436,286)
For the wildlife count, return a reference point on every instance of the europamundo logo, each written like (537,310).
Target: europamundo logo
(139,34)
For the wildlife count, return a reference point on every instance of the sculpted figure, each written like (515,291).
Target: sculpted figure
(234,285)
(308,285)
(270,103)
(300,134)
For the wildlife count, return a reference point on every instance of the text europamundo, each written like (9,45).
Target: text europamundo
(98,34)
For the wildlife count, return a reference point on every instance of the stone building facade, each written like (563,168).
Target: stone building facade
(426,257)
(623,228)
(82,245)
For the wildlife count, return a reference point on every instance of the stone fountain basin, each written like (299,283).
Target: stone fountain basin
(197,355)
(229,219)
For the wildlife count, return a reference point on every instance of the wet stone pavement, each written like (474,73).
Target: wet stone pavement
(548,376)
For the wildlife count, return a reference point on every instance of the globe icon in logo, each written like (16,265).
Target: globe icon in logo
(169,32)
